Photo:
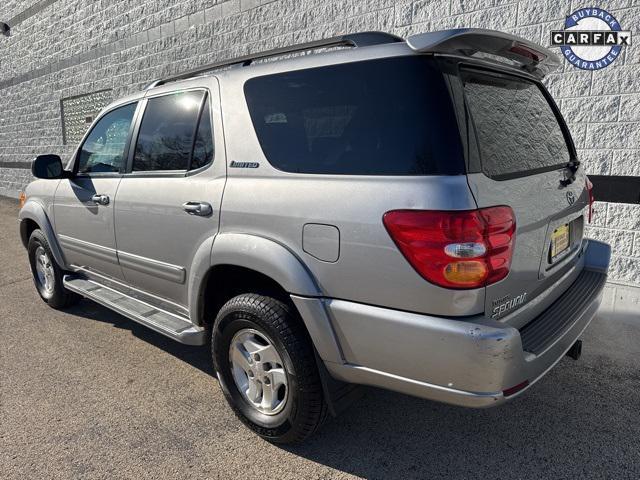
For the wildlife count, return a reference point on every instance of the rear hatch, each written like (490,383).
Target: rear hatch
(519,155)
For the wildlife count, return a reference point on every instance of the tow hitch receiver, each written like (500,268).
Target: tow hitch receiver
(576,350)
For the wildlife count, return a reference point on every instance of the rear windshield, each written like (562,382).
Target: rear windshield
(390,116)
(517,130)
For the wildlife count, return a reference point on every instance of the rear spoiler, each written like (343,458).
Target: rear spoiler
(528,56)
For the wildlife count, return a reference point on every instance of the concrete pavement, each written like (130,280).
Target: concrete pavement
(86,393)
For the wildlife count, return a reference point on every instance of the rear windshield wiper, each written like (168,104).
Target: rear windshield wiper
(572,166)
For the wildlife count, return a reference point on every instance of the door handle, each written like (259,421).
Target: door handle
(202,209)
(100,199)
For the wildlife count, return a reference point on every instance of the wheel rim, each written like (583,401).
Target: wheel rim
(258,371)
(44,272)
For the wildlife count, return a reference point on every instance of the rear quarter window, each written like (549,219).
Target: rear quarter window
(518,131)
(390,116)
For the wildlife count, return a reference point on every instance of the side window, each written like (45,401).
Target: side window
(203,144)
(358,119)
(103,150)
(167,131)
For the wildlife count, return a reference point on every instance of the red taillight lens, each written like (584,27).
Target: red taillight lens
(592,198)
(465,249)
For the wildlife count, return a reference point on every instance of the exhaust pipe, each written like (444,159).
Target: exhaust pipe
(576,350)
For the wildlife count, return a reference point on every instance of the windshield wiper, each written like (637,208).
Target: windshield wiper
(572,166)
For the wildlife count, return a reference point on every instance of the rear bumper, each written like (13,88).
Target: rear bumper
(468,362)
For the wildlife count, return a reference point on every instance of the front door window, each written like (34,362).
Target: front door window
(104,148)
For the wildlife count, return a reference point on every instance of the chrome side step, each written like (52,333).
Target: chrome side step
(172,326)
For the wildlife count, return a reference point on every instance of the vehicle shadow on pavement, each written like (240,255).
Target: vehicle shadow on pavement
(580,420)
(197,357)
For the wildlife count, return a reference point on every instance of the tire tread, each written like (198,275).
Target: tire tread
(280,316)
(62,298)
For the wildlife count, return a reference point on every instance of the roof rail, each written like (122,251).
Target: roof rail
(361,39)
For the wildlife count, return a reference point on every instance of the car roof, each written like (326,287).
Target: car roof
(524,56)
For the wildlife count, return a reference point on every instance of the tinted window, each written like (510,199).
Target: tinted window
(103,150)
(381,117)
(203,145)
(518,132)
(166,132)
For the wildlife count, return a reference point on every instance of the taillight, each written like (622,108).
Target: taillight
(455,249)
(592,198)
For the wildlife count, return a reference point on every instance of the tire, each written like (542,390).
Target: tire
(297,407)
(47,275)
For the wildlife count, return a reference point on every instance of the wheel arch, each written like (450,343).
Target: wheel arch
(225,281)
(33,216)
(242,263)
(259,258)
(27,226)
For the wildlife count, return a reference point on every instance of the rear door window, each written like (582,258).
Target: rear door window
(518,131)
(389,116)
(166,135)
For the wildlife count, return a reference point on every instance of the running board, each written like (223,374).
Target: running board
(172,326)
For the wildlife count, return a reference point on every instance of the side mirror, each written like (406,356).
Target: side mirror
(47,167)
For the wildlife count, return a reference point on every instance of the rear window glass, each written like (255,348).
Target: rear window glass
(517,130)
(380,117)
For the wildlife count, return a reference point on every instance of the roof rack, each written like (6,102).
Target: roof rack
(361,39)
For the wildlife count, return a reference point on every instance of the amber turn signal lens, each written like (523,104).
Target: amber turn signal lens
(466,273)
(455,249)
(22,198)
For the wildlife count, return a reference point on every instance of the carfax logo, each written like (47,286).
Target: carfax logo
(592,38)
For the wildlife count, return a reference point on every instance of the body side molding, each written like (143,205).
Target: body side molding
(105,254)
(166,271)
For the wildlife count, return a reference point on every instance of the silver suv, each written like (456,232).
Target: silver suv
(406,214)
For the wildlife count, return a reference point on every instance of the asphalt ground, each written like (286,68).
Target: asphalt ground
(86,393)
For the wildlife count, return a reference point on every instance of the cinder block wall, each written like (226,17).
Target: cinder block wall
(63,48)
